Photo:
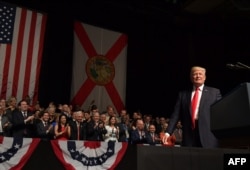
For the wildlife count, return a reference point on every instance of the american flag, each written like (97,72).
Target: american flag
(21,44)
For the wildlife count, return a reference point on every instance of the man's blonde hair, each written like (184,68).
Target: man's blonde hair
(194,68)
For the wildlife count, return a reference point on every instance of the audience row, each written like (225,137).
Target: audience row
(67,123)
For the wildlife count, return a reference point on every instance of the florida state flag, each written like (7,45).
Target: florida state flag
(99,67)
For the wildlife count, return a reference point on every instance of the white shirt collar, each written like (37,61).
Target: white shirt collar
(200,88)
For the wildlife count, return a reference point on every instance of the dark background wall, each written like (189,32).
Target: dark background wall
(164,41)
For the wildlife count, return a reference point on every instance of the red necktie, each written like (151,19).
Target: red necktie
(194,105)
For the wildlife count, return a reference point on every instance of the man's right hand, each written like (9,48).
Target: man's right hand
(165,139)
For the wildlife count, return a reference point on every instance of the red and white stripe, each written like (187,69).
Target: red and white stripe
(21,60)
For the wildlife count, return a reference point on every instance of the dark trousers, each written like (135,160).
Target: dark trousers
(196,136)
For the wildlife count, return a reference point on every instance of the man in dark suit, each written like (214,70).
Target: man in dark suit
(78,128)
(23,121)
(44,127)
(138,135)
(196,123)
(152,138)
(96,128)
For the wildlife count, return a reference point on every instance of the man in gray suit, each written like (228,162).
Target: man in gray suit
(196,122)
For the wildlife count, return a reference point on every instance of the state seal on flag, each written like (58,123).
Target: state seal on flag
(100,70)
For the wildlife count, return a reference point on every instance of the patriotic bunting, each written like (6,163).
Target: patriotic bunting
(91,155)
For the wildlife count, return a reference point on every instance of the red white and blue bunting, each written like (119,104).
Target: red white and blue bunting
(15,152)
(78,155)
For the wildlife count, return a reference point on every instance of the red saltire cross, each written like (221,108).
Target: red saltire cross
(112,54)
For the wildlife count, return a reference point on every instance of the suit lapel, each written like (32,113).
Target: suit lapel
(188,95)
(203,97)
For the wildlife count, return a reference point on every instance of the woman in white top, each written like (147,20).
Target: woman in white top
(112,130)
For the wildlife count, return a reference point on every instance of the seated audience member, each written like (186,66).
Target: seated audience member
(138,135)
(96,128)
(44,127)
(62,129)
(152,138)
(112,130)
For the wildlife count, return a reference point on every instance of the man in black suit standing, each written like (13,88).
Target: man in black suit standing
(96,128)
(195,117)
(44,127)
(78,127)
(152,138)
(23,121)
(138,135)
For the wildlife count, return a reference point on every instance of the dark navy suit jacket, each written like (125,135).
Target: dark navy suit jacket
(182,111)
(20,129)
